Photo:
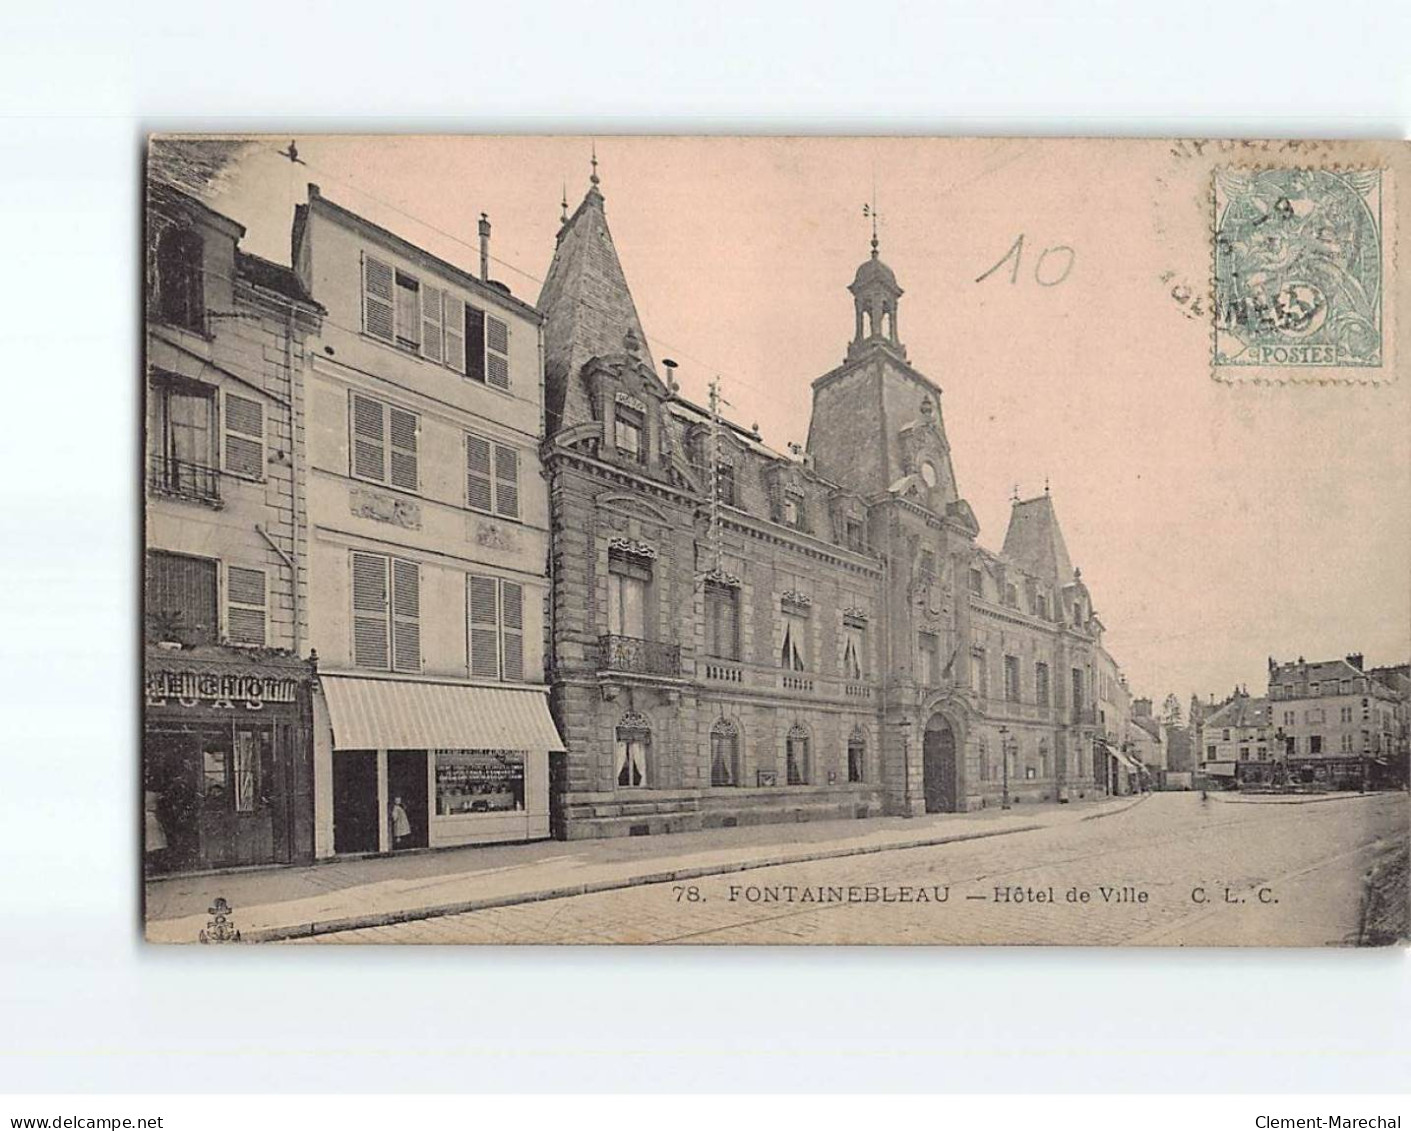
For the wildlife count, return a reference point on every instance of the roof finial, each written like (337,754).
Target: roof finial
(594,178)
(870,210)
(1045,484)
(563,204)
(1014,498)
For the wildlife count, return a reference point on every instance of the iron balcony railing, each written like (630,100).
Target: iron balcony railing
(638,657)
(184,479)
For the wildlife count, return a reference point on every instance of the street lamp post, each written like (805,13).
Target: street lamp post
(1004,766)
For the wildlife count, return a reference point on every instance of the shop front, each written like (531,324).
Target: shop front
(406,764)
(227,768)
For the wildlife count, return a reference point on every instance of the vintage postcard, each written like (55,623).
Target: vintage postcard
(775,541)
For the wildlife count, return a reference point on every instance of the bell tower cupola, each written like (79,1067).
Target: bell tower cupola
(875,295)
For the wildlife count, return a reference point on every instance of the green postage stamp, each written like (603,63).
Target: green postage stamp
(1299,271)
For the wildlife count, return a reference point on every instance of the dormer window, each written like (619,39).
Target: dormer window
(725,483)
(180,293)
(852,534)
(630,433)
(793,511)
(1041,606)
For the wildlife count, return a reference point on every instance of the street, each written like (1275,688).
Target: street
(1174,870)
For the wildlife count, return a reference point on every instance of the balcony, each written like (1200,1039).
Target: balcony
(182,479)
(639,657)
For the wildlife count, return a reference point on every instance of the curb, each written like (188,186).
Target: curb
(1294,799)
(487,903)
(1118,809)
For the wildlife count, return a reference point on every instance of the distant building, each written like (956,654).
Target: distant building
(1236,741)
(1148,743)
(226,751)
(1337,725)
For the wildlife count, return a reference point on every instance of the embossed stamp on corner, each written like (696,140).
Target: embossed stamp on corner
(1298,270)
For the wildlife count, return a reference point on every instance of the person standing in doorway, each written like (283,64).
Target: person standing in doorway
(401,825)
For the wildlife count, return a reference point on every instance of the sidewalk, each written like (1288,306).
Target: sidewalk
(347,894)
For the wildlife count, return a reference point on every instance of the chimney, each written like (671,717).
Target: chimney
(1355,659)
(484,248)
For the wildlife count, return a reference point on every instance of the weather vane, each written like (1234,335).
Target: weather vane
(870,211)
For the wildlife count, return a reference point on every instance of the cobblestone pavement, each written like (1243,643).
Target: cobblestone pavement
(1174,870)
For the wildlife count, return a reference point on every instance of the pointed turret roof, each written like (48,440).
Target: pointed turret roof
(588,309)
(1034,541)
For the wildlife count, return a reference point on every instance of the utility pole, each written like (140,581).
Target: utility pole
(1004,765)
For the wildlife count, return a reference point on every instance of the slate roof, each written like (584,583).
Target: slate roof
(272,277)
(1241,711)
(1316,671)
(1034,541)
(587,310)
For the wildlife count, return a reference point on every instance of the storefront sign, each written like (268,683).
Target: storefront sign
(225,689)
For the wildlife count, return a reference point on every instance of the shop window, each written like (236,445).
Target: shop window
(857,756)
(383,443)
(724,753)
(386,613)
(854,649)
(181,297)
(793,652)
(181,600)
(722,627)
(1041,689)
(629,583)
(796,755)
(182,431)
(245,605)
(632,751)
(478,781)
(492,477)
(495,630)
(629,432)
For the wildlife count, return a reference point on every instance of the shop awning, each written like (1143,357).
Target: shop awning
(399,714)
(1126,759)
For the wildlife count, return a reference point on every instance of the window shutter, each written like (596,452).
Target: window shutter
(369,450)
(245,605)
(512,628)
(497,350)
(431,323)
(484,629)
(406,616)
(370,611)
(506,481)
(402,428)
(477,470)
(455,333)
(377,298)
(244,436)
(181,597)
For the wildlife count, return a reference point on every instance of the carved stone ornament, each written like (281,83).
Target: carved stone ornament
(795,598)
(721,577)
(405,513)
(852,612)
(633,548)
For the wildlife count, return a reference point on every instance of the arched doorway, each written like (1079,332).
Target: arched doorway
(938,766)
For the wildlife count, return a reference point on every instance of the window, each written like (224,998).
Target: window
(725,483)
(1011,678)
(796,760)
(724,753)
(488,339)
(1347,743)
(980,673)
(1078,689)
(495,629)
(1077,614)
(1041,606)
(1225,736)
(1041,692)
(235,766)
(1043,757)
(1262,753)
(722,627)
(987,771)
(853,537)
(478,781)
(628,579)
(1345,714)
(1011,595)
(629,433)
(408,313)
(1288,718)
(977,583)
(181,600)
(1244,753)
(793,511)
(182,429)
(794,651)
(245,605)
(1313,689)
(492,477)
(384,443)
(244,420)
(857,755)
(854,648)
(180,285)
(928,665)
(1315,744)
(927,568)
(632,752)
(386,613)
(1210,752)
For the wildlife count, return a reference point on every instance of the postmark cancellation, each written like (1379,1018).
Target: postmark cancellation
(1300,260)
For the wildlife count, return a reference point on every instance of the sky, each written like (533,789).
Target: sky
(1049,292)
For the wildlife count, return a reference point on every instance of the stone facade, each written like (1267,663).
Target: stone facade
(740,636)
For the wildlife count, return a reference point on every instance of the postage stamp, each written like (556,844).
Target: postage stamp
(1298,269)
